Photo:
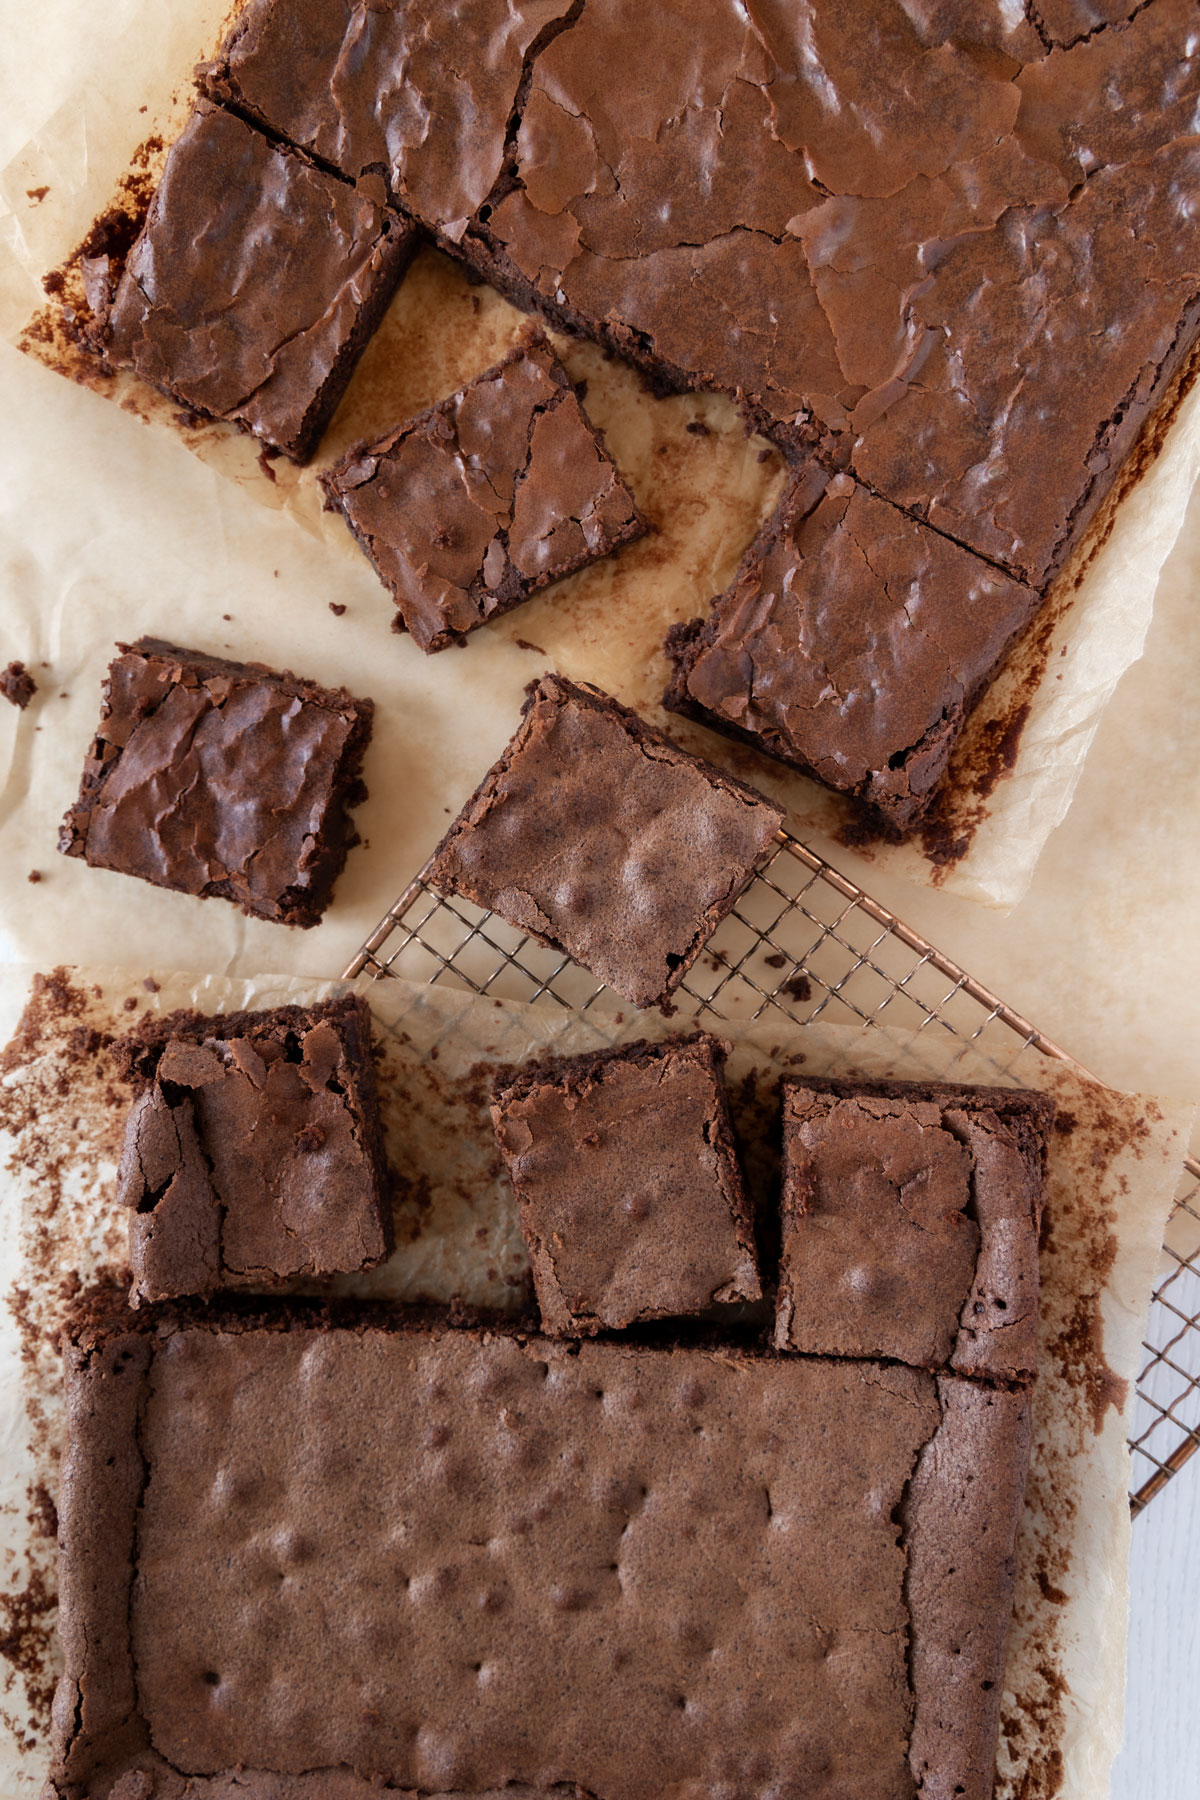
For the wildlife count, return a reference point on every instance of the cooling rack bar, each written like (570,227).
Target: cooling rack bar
(805,941)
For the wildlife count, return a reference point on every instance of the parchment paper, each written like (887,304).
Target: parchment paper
(1113,1168)
(705,493)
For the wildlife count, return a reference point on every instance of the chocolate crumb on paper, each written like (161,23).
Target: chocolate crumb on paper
(17,685)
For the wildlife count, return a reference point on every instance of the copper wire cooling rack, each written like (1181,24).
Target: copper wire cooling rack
(806,942)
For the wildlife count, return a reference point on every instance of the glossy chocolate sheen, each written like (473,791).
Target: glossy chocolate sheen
(255,283)
(255,1152)
(601,837)
(630,1194)
(949,247)
(221,778)
(450,1561)
(911,236)
(910,1224)
(485,498)
(420,91)
(852,643)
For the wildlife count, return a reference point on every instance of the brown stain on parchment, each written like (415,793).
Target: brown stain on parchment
(1076,1390)
(59,1103)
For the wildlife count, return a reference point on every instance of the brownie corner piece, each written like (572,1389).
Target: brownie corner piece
(852,644)
(605,840)
(628,1185)
(218,778)
(253,1152)
(911,1215)
(255,282)
(502,488)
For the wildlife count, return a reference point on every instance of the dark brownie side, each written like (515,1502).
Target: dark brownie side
(219,778)
(254,1150)
(600,837)
(630,1194)
(467,510)
(911,1215)
(255,283)
(853,643)
(348,1567)
(960,1517)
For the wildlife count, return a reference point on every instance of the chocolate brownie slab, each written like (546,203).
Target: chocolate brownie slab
(630,1194)
(412,89)
(910,1223)
(861,224)
(601,838)
(255,283)
(221,778)
(254,1150)
(467,510)
(852,643)
(450,1561)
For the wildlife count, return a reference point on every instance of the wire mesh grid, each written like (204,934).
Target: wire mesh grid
(806,943)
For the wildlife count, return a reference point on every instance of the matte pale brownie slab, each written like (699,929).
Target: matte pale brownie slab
(911,1215)
(599,836)
(627,1178)
(450,1561)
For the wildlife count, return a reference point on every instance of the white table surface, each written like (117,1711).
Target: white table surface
(1104,953)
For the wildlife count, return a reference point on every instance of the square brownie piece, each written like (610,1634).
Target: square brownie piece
(601,838)
(255,283)
(496,492)
(254,1150)
(340,1561)
(853,644)
(221,778)
(911,1215)
(630,1194)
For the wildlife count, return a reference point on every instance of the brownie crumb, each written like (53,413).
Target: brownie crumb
(150,985)
(698,428)
(336,608)
(17,685)
(34,875)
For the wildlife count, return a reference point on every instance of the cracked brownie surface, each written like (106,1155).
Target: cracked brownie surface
(222,779)
(498,490)
(255,283)
(948,249)
(254,1150)
(852,643)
